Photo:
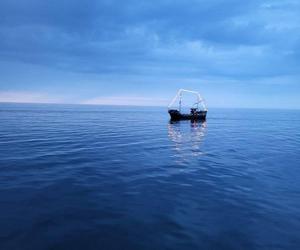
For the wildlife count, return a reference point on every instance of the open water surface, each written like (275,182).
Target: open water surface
(96,177)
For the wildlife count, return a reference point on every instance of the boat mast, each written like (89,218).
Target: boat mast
(180,101)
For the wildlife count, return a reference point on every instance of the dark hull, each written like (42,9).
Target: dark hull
(197,116)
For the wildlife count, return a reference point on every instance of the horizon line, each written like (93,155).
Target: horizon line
(139,105)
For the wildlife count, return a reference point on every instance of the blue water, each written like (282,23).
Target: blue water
(92,177)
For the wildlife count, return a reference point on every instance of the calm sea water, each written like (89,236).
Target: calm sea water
(92,177)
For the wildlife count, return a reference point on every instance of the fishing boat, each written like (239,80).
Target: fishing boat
(198,110)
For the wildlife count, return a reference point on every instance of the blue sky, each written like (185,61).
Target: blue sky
(236,53)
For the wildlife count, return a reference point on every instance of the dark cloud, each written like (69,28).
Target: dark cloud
(230,38)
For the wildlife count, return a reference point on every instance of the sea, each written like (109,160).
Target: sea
(110,177)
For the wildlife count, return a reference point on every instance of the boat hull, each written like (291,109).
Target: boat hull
(197,116)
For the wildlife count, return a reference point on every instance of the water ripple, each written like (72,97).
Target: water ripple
(74,177)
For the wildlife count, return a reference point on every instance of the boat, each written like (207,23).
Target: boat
(198,111)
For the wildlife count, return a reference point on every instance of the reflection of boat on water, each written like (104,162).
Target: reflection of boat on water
(179,133)
(187,139)
(197,112)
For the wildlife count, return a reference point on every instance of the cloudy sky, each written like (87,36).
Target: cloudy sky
(236,53)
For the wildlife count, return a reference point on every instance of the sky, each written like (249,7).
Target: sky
(134,52)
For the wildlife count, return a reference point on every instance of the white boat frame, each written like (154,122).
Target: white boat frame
(200,100)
